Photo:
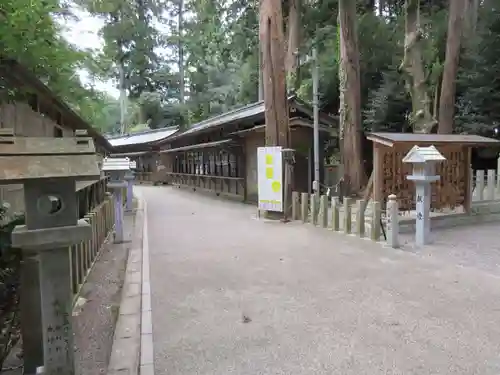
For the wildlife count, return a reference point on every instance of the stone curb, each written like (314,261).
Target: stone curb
(125,353)
(147,354)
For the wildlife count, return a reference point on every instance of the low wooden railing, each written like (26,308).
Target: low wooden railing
(83,255)
(144,177)
(90,194)
(97,208)
(221,185)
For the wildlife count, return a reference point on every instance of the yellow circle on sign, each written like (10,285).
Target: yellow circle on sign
(269,159)
(276,186)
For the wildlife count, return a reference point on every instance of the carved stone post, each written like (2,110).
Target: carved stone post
(490,186)
(375,229)
(347,215)
(295,205)
(31,313)
(480,185)
(304,206)
(392,222)
(49,169)
(323,209)
(335,214)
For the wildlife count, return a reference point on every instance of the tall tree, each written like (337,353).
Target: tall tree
(180,46)
(350,97)
(292,53)
(413,69)
(448,87)
(273,58)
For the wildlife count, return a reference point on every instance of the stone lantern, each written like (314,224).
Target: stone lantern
(424,160)
(129,177)
(49,168)
(117,168)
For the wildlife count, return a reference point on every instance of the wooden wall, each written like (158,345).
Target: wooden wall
(253,141)
(28,123)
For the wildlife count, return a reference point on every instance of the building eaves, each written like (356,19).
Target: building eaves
(18,75)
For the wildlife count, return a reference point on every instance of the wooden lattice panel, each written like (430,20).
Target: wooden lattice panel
(448,192)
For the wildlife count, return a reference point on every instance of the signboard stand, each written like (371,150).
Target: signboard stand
(270,178)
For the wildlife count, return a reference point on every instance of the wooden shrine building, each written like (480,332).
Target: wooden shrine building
(219,154)
(454,188)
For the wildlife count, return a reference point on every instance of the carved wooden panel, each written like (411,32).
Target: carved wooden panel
(448,192)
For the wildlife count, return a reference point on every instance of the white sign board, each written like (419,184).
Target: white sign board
(270,178)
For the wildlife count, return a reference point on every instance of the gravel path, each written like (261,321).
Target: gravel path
(232,294)
(94,322)
(475,246)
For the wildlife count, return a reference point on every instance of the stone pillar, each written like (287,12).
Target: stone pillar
(295,205)
(56,311)
(490,187)
(31,313)
(376,220)
(498,176)
(393,222)
(314,209)
(304,206)
(323,209)
(56,295)
(360,218)
(118,216)
(480,185)
(347,215)
(423,219)
(335,214)
(130,192)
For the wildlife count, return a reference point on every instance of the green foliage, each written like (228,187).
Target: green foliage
(220,45)
(31,34)
(10,263)
(478,108)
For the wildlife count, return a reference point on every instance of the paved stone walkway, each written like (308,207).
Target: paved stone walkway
(234,295)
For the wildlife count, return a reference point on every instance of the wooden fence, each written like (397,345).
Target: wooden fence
(144,177)
(84,254)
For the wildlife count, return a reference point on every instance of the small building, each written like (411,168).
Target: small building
(141,147)
(219,154)
(31,109)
